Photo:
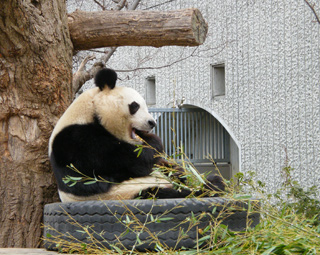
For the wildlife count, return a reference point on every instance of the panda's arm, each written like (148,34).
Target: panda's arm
(84,146)
(94,151)
(155,142)
(152,140)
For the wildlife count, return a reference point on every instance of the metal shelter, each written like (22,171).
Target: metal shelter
(192,134)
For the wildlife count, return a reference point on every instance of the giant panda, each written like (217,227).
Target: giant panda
(98,134)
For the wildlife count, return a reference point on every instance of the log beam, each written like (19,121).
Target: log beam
(136,28)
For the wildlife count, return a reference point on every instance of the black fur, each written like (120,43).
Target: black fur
(133,107)
(105,77)
(96,152)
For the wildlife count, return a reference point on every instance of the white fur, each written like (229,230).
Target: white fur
(125,190)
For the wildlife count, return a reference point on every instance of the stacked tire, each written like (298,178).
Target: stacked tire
(143,224)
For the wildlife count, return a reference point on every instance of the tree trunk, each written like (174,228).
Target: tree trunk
(137,28)
(35,89)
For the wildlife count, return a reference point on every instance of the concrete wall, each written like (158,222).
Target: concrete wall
(271,53)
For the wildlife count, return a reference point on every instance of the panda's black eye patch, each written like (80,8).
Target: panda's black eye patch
(133,107)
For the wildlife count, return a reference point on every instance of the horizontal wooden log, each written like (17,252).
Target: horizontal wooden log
(136,28)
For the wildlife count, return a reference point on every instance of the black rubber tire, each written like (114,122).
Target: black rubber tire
(107,217)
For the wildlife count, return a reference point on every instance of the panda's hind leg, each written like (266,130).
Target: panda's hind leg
(214,183)
(157,192)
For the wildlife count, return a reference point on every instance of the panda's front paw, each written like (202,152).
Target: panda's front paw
(179,173)
(216,183)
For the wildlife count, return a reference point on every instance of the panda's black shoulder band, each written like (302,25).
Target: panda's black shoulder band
(106,77)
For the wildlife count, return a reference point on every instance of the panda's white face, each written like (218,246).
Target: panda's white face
(123,111)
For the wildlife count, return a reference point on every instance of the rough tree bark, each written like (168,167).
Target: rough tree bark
(35,77)
(137,28)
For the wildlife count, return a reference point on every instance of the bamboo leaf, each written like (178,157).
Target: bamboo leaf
(72,184)
(202,239)
(165,218)
(73,178)
(196,174)
(90,182)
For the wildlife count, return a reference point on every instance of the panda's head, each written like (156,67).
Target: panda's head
(121,110)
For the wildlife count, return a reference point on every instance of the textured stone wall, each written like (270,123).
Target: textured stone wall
(271,51)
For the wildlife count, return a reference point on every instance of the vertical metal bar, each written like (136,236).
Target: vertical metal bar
(162,127)
(183,140)
(205,135)
(174,134)
(176,119)
(199,144)
(219,141)
(170,130)
(169,134)
(189,136)
(158,121)
(177,131)
(193,135)
(223,145)
(160,124)
(216,140)
(205,116)
(222,142)
(180,132)
(227,143)
(199,141)
(202,128)
(201,138)
(164,116)
(210,136)
(203,125)
(196,138)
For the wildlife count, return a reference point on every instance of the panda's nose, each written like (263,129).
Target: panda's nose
(152,123)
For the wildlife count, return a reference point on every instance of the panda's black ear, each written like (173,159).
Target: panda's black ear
(106,77)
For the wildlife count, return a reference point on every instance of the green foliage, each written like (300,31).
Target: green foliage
(139,149)
(301,201)
(289,219)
